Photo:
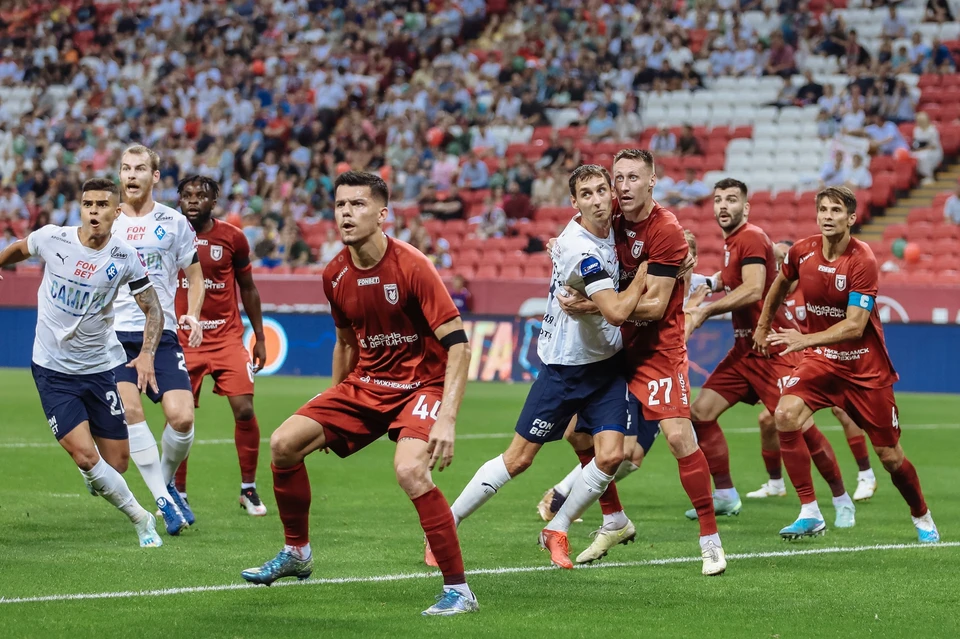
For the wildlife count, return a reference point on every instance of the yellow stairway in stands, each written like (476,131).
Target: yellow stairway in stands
(920,197)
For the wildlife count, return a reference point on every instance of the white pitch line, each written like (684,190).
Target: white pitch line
(128,594)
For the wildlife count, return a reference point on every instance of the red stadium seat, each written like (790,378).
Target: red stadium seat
(511,272)
(537,270)
(882,191)
(488,271)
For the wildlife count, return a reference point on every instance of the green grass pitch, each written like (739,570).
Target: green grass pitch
(57,540)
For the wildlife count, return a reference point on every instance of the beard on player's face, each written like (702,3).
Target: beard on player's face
(729,217)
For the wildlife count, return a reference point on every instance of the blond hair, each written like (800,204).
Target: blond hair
(139,149)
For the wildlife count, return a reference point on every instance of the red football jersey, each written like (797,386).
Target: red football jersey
(394,309)
(796,310)
(658,240)
(826,287)
(223,252)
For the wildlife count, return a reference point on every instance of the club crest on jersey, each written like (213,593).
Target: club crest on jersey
(637,248)
(841,282)
(216,252)
(160,233)
(112,271)
(801,313)
(391,293)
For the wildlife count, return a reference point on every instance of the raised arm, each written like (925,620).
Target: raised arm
(250,297)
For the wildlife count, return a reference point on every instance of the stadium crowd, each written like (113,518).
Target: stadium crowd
(274,99)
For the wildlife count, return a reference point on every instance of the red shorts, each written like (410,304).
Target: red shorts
(230,367)
(660,382)
(740,377)
(354,415)
(873,409)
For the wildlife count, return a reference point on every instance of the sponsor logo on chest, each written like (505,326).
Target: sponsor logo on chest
(115,252)
(339,276)
(85,270)
(159,232)
(826,269)
(136,233)
(368,281)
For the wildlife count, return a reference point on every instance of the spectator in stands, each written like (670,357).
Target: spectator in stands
(858,58)
(920,53)
(900,62)
(332,245)
(833,172)
(941,60)
(721,58)
(444,169)
(826,125)
(664,142)
(439,254)
(516,204)
(450,207)
(938,11)
(926,147)
(811,91)
(745,59)
(664,186)
(554,152)
(898,107)
(893,25)
(532,112)
(398,231)
(689,191)
(884,135)
(951,208)
(782,60)
(687,143)
(542,193)
(473,174)
(7,239)
(460,294)
(12,205)
(601,126)
(629,123)
(829,101)
(492,222)
(858,176)
(296,252)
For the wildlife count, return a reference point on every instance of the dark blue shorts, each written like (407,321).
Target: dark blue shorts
(596,392)
(68,400)
(168,363)
(644,430)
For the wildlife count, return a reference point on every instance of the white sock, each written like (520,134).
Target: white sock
(144,453)
(729,494)
(489,479)
(615,521)
(244,485)
(463,589)
(867,474)
(110,485)
(300,552)
(565,486)
(810,511)
(586,490)
(778,483)
(842,500)
(626,467)
(176,447)
(706,539)
(925,522)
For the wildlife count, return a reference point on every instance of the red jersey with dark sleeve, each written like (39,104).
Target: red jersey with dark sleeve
(223,252)
(658,240)
(826,287)
(394,309)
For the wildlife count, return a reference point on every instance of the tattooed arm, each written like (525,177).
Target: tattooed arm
(152,331)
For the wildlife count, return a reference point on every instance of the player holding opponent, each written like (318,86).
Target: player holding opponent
(399,368)
(76,349)
(581,372)
(745,375)
(225,261)
(654,337)
(845,360)
(769,442)
(165,240)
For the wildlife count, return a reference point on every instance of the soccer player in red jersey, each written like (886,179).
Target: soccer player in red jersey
(745,375)
(400,367)
(225,259)
(845,360)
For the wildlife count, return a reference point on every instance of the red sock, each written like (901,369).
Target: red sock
(291,487)
(180,478)
(858,446)
(714,447)
(610,499)
(695,478)
(246,435)
(825,459)
(437,522)
(906,480)
(771,459)
(586,455)
(796,458)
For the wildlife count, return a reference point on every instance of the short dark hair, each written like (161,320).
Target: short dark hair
(731,183)
(206,183)
(840,195)
(635,154)
(378,188)
(100,184)
(585,171)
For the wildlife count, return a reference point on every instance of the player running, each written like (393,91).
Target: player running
(845,361)
(75,349)
(581,372)
(400,367)
(653,338)
(225,261)
(165,241)
(746,375)
(769,442)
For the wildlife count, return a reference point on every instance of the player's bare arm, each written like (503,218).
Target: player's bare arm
(616,307)
(775,298)
(346,354)
(16,252)
(849,328)
(195,294)
(653,304)
(149,303)
(575,303)
(443,433)
(250,296)
(751,291)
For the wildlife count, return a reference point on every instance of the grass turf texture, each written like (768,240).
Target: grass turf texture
(56,539)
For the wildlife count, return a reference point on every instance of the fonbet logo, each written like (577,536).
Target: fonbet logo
(276,343)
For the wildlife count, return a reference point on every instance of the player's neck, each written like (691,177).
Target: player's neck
(370,252)
(834,247)
(727,233)
(91,241)
(595,228)
(206,227)
(138,209)
(642,214)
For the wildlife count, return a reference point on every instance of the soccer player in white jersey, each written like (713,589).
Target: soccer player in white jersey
(581,371)
(75,349)
(165,241)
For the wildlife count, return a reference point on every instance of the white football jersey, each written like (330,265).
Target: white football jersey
(75,330)
(165,241)
(696,281)
(587,264)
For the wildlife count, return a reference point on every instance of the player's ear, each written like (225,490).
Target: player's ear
(156,177)
(746,209)
(382,216)
(573,202)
